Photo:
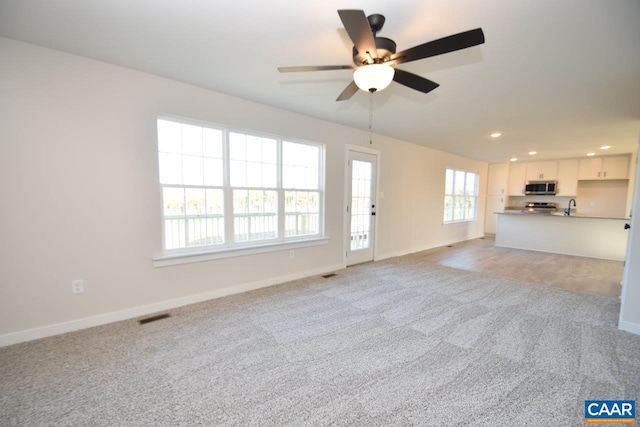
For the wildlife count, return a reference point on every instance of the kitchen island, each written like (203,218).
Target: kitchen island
(586,236)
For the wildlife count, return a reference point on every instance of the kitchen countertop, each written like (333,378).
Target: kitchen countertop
(559,214)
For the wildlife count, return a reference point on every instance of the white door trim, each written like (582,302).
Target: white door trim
(347,182)
(630,297)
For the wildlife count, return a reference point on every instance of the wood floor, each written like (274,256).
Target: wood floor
(589,275)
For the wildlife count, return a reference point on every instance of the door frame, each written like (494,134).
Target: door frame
(346,230)
(630,295)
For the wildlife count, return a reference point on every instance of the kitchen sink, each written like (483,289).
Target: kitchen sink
(561,213)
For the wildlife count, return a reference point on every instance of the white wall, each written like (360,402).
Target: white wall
(603,198)
(80,195)
(412,180)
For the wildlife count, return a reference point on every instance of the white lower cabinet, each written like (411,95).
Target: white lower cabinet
(494,204)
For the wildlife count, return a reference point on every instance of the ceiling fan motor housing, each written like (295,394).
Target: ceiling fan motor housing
(384,47)
(376,22)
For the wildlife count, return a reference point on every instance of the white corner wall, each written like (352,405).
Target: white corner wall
(630,298)
(411,212)
(80,197)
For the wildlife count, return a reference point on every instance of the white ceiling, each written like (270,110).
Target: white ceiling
(558,77)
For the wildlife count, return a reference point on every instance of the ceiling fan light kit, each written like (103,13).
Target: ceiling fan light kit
(374,77)
(374,56)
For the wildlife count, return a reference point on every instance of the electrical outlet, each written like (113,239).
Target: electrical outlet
(292,254)
(77,286)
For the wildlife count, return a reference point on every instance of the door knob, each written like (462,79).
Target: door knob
(627,226)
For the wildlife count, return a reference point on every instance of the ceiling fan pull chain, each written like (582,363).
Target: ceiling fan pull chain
(371,117)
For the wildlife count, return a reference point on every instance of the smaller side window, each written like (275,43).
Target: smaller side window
(460,196)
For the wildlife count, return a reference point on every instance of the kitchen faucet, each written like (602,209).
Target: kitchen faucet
(568,211)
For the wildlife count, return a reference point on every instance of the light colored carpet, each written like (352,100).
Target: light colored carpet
(397,342)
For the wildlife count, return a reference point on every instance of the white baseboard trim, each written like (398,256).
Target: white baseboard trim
(380,257)
(130,313)
(634,328)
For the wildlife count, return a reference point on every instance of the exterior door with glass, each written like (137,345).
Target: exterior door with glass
(361,207)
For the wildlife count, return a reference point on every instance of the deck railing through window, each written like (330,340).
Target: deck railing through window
(222,188)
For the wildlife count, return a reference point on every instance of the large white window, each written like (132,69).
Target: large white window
(460,196)
(226,189)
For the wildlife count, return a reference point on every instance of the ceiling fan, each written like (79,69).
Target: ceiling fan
(374,56)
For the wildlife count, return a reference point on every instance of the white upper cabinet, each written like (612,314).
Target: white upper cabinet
(497,181)
(516,179)
(568,177)
(615,167)
(590,168)
(594,168)
(567,172)
(546,170)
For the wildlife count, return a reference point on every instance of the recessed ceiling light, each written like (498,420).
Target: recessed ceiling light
(591,154)
(496,135)
(605,147)
(514,159)
(533,153)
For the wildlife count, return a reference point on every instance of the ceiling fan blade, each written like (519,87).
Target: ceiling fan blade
(437,47)
(359,30)
(414,81)
(315,68)
(348,92)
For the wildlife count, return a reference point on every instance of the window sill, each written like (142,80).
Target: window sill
(191,257)
(460,222)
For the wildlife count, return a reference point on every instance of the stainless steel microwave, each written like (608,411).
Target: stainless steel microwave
(541,187)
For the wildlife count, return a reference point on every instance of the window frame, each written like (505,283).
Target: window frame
(475,194)
(230,247)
